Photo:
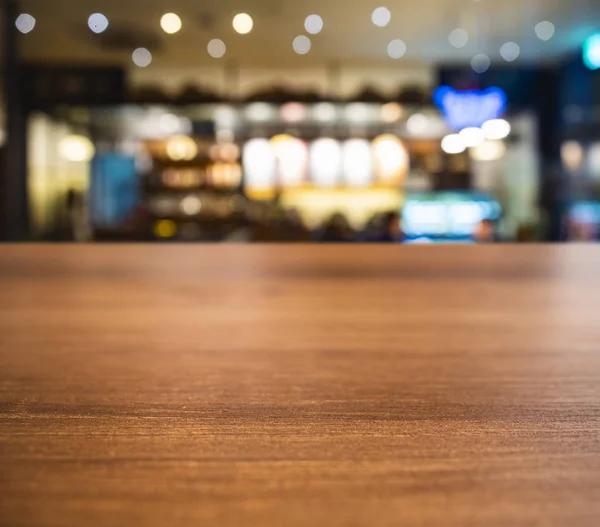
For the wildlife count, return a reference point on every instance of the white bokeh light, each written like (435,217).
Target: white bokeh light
(98,23)
(313,24)
(25,23)
(459,38)
(216,48)
(141,57)
(326,162)
(472,136)
(417,124)
(190,205)
(325,111)
(545,30)
(243,23)
(76,148)
(381,16)
(396,49)
(358,162)
(170,23)
(488,151)
(453,144)
(301,44)
(510,51)
(496,129)
(480,63)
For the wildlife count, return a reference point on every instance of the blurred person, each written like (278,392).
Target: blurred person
(385,228)
(336,229)
(485,232)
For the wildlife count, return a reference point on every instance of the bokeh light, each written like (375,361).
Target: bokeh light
(545,30)
(496,129)
(417,124)
(301,44)
(170,23)
(190,205)
(182,148)
(391,159)
(396,49)
(76,148)
(510,51)
(325,112)
(358,162)
(591,52)
(313,24)
(391,112)
(25,23)
(488,151)
(453,144)
(242,23)
(458,38)
(326,162)
(216,48)
(472,136)
(381,16)
(571,153)
(141,57)
(480,63)
(98,23)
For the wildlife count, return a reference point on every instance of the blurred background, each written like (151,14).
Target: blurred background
(273,120)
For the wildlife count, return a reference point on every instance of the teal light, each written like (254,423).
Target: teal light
(591,52)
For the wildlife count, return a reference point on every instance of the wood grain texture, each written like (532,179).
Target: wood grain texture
(299,385)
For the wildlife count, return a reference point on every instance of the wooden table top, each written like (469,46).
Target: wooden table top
(299,385)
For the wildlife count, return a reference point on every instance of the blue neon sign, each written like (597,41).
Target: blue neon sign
(463,109)
(591,52)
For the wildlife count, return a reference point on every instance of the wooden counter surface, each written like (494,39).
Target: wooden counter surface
(174,385)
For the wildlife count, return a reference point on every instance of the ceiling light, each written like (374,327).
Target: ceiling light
(98,23)
(216,48)
(141,57)
(381,16)
(459,38)
(242,23)
(480,63)
(496,129)
(170,23)
(25,23)
(472,136)
(301,44)
(313,24)
(396,49)
(545,30)
(453,144)
(510,51)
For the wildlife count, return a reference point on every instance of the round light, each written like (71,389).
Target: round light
(259,111)
(292,157)
(459,38)
(417,124)
(259,165)
(324,112)
(571,153)
(391,159)
(453,144)
(76,148)
(98,23)
(358,162)
(591,52)
(326,162)
(396,49)
(242,23)
(293,112)
(510,51)
(358,112)
(141,57)
(170,23)
(391,112)
(480,63)
(313,24)
(216,48)
(301,44)
(381,16)
(25,23)
(488,151)
(496,129)
(190,205)
(182,148)
(169,123)
(545,30)
(165,228)
(472,136)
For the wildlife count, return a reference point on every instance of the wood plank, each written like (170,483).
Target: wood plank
(299,385)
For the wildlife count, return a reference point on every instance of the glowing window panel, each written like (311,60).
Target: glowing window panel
(358,163)
(326,162)
(471,108)
(259,165)
(292,158)
(391,159)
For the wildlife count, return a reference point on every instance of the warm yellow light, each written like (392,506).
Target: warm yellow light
(391,112)
(170,23)
(391,159)
(76,148)
(165,228)
(182,148)
(242,23)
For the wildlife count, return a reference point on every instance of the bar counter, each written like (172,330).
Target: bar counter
(289,385)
